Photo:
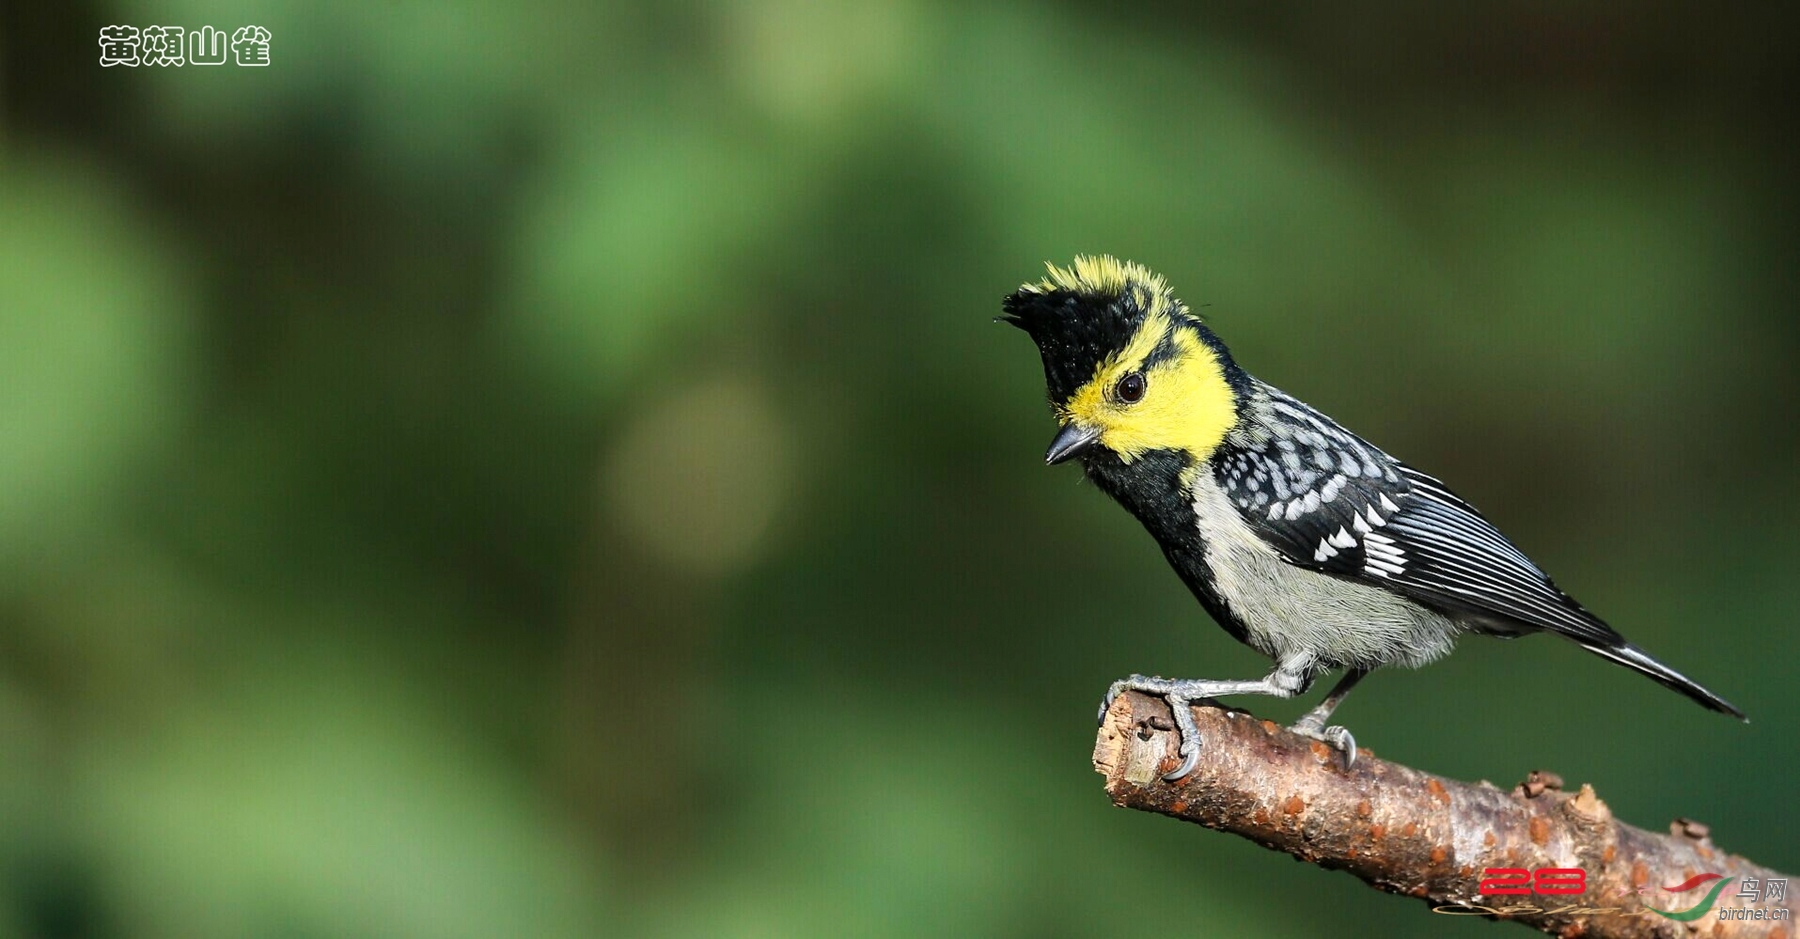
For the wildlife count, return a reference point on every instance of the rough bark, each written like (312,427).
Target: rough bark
(1410,832)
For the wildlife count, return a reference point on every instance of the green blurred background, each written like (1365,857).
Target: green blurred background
(551,471)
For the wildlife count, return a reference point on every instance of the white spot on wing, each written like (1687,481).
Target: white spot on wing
(1383,554)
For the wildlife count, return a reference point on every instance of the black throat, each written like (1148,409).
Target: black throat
(1150,488)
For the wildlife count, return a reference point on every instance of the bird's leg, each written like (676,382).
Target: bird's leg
(1313,724)
(1288,679)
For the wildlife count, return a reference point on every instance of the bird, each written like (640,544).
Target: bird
(1303,540)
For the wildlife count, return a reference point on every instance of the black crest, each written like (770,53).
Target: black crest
(1073,332)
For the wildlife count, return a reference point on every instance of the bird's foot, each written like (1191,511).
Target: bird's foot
(1334,735)
(1180,693)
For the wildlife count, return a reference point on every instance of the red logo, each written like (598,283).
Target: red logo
(1544,880)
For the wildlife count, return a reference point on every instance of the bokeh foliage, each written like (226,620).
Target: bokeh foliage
(550,471)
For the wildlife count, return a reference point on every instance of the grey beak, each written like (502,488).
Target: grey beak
(1072,441)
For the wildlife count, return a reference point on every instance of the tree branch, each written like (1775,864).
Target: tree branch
(1412,833)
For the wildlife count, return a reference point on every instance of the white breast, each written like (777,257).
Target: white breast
(1293,614)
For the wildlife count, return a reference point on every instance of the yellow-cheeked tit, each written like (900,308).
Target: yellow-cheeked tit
(1303,540)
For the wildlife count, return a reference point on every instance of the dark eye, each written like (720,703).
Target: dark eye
(1130,388)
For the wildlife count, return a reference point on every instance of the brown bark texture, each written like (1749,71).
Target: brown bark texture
(1412,833)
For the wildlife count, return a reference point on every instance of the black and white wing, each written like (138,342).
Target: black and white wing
(1319,497)
(1461,562)
(1329,501)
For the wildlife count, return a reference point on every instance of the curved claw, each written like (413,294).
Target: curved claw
(1341,738)
(1187,764)
(1189,735)
(1106,703)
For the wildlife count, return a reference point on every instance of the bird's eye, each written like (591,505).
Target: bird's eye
(1130,388)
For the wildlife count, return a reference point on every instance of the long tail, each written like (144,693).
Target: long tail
(1638,660)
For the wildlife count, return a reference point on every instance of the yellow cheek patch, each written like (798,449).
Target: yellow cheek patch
(1187,404)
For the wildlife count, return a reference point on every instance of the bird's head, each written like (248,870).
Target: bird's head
(1129,369)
